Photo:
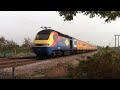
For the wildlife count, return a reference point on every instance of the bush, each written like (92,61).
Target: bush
(103,65)
(11,48)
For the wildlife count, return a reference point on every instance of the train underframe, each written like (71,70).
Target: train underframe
(60,53)
(50,52)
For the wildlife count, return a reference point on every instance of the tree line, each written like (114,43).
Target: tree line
(11,48)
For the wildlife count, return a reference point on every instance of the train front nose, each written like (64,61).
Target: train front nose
(42,51)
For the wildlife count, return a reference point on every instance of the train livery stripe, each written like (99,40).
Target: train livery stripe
(54,39)
(60,37)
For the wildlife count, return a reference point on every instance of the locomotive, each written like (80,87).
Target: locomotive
(51,43)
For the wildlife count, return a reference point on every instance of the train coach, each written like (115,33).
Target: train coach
(51,43)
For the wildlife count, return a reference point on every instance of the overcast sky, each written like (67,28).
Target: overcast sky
(17,25)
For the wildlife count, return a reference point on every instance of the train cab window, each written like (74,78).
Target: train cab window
(42,36)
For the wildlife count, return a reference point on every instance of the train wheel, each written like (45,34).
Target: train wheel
(62,53)
(53,54)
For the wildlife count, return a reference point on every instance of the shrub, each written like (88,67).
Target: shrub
(11,48)
(103,65)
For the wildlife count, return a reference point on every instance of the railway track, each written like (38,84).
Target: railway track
(19,61)
(15,62)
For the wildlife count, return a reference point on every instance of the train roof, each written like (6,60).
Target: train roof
(51,30)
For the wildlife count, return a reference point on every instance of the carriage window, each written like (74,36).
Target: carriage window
(43,36)
(75,42)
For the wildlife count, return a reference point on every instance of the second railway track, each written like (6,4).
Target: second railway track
(15,62)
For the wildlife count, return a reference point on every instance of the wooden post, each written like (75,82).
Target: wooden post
(13,72)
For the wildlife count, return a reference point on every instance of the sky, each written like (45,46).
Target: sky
(17,25)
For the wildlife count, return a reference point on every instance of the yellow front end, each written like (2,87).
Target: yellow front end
(47,42)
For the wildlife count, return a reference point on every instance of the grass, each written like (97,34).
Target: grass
(56,72)
(60,70)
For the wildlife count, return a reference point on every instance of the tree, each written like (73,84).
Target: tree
(109,15)
(27,42)
(2,41)
(11,44)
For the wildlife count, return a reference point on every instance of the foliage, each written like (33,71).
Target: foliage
(103,65)
(2,41)
(109,15)
(9,48)
(27,42)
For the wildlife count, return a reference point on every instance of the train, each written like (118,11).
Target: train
(51,43)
